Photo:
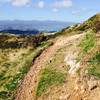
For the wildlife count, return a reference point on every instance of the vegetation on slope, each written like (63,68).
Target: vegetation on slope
(21,41)
(49,77)
(90,53)
(18,52)
(15,61)
(87,43)
(91,24)
(94,65)
(54,73)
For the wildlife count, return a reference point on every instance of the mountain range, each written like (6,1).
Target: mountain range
(34,26)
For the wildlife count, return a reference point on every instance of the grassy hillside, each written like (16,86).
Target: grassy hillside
(92,23)
(88,57)
(16,56)
(69,69)
(90,53)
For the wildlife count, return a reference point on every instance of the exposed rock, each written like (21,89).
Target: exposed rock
(72,62)
(92,85)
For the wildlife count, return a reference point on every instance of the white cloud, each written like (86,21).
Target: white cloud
(62,4)
(40,4)
(20,2)
(59,4)
(16,2)
(55,5)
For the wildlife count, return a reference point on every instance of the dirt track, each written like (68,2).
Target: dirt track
(27,88)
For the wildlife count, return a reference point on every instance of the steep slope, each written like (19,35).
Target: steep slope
(81,81)
(92,23)
(62,45)
(69,69)
(16,56)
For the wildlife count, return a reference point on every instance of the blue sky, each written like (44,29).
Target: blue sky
(61,10)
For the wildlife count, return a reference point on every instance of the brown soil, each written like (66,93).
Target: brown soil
(73,88)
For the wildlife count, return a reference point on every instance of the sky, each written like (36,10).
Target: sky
(60,10)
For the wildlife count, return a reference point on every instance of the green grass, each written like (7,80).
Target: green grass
(48,78)
(4,95)
(95,71)
(94,65)
(13,70)
(44,43)
(95,58)
(90,42)
(55,72)
(87,43)
(15,63)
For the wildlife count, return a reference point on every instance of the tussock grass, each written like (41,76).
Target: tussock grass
(87,43)
(94,65)
(89,52)
(55,72)
(49,77)
(15,63)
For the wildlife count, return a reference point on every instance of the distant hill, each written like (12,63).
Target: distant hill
(13,31)
(30,26)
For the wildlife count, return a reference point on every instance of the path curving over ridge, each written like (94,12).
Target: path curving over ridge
(26,91)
